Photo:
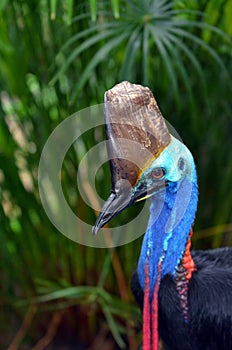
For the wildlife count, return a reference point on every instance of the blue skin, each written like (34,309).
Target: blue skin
(172,212)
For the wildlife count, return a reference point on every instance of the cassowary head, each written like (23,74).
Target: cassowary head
(145,159)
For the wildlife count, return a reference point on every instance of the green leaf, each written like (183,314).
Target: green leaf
(115,7)
(87,32)
(128,68)
(202,44)
(80,292)
(3,4)
(113,327)
(158,36)
(53,4)
(70,11)
(93,9)
(97,58)
(146,54)
(81,48)
(227,15)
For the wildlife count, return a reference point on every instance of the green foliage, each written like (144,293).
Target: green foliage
(57,57)
(151,34)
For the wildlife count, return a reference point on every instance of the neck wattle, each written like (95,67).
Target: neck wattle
(166,248)
(183,275)
(187,260)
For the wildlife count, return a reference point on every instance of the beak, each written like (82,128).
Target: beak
(114,205)
(122,198)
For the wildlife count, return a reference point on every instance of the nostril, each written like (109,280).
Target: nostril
(122,185)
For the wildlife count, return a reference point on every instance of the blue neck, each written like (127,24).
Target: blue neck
(171,218)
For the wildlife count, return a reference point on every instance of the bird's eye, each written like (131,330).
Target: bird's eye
(158,173)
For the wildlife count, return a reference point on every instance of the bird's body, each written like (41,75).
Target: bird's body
(209,303)
(185,296)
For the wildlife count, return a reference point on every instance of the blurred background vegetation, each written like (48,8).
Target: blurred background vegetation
(57,57)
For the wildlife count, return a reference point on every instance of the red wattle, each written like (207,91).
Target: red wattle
(154,310)
(150,312)
(146,311)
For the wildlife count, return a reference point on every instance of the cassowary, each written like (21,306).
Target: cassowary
(186,297)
